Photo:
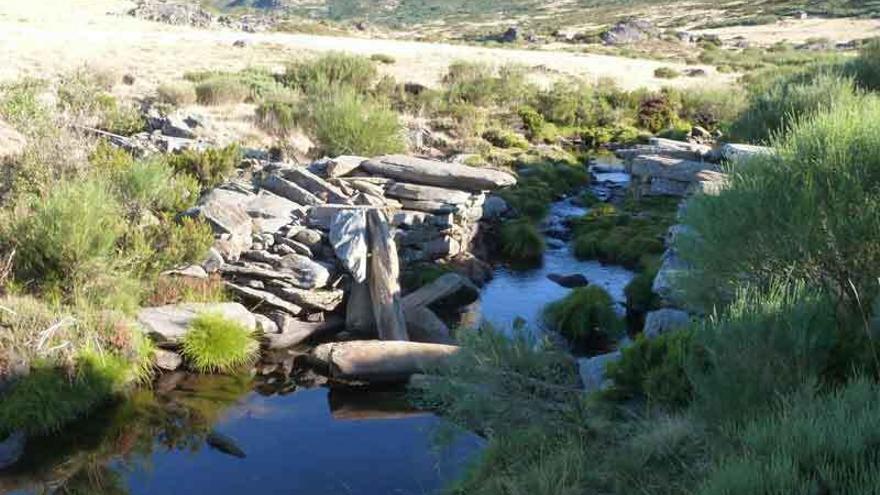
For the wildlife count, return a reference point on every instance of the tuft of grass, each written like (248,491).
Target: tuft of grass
(586,317)
(177,94)
(504,138)
(221,90)
(216,344)
(383,58)
(866,67)
(666,73)
(521,241)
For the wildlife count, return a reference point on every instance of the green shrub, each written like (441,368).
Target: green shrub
(866,67)
(640,297)
(543,177)
(279,116)
(258,83)
(810,211)
(656,369)
(504,138)
(656,112)
(345,123)
(221,90)
(211,167)
(812,444)
(789,100)
(214,343)
(767,344)
(482,85)
(666,73)
(167,245)
(68,235)
(382,58)
(177,94)
(331,71)
(122,119)
(712,108)
(586,317)
(521,241)
(538,129)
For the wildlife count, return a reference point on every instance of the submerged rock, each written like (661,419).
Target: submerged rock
(224,444)
(569,281)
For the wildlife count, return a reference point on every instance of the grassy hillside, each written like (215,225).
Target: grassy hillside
(541,13)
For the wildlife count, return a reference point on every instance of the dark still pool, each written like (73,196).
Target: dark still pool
(223,435)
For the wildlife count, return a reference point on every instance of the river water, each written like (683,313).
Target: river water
(278,433)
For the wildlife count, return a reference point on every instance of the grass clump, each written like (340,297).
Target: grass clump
(383,58)
(666,73)
(221,90)
(216,344)
(542,179)
(866,67)
(624,236)
(177,94)
(812,443)
(655,369)
(586,317)
(521,241)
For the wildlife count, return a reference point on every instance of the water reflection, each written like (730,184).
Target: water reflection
(215,434)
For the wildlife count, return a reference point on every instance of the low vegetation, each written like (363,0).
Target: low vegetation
(216,344)
(587,318)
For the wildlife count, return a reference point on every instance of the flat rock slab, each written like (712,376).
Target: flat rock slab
(262,299)
(381,361)
(663,167)
(292,331)
(316,185)
(435,173)
(449,287)
(167,325)
(290,190)
(226,211)
(427,193)
(343,165)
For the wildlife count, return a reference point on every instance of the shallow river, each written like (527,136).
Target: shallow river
(276,434)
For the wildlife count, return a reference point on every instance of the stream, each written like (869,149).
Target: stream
(282,431)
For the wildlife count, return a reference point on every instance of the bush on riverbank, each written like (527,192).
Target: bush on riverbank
(793,212)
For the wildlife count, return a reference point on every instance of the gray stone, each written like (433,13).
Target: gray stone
(348,236)
(324,300)
(263,299)
(167,360)
(592,371)
(272,211)
(316,185)
(266,325)
(343,165)
(665,320)
(664,285)
(167,325)
(290,190)
(418,192)
(12,448)
(191,271)
(309,237)
(213,261)
(435,173)
(293,331)
(494,207)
